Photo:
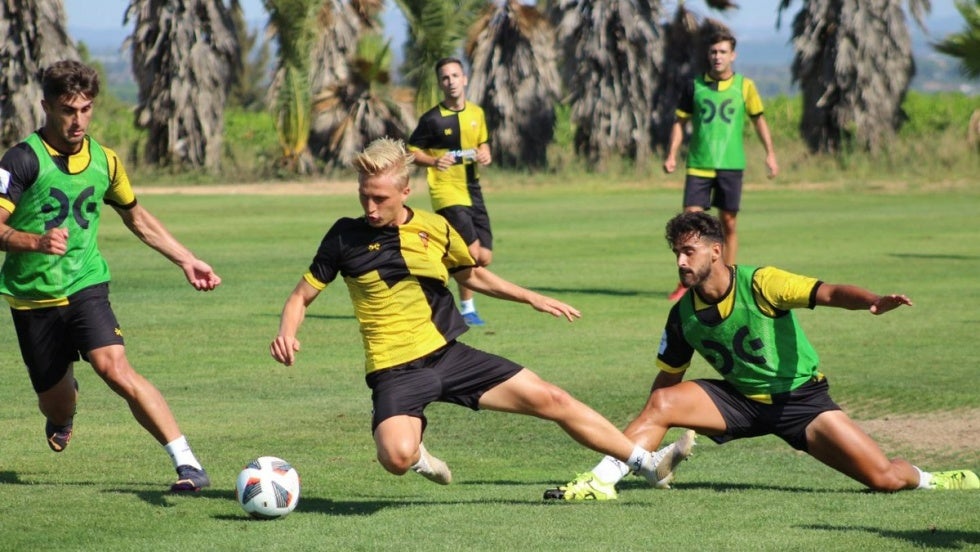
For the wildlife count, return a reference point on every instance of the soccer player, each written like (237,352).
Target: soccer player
(396,262)
(56,280)
(451,141)
(716,103)
(740,319)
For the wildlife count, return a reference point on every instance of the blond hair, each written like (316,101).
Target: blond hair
(385,156)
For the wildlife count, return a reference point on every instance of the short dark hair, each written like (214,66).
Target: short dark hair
(698,223)
(446,61)
(721,36)
(69,78)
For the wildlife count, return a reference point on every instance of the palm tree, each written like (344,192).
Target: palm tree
(183,53)
(249,85)
(612,61)
(965,46)
(293,24)
(34,36)
(514,77)
(854,65)
(353,100)
(436,29)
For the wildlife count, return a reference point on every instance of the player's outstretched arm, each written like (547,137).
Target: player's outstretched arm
(285,345)
(856,298)
(482,280)
(151,231)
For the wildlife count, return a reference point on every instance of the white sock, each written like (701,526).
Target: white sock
(925,479)
(467,306)
(423,464)
(636,459)
(610,470)
(181,454)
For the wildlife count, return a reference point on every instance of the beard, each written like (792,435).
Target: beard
(694,277)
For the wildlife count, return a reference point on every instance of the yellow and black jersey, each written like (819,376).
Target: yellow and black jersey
(397,278)
(441,129)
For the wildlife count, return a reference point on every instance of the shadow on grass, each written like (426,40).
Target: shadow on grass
(637,484)
(931,537)
(935,256)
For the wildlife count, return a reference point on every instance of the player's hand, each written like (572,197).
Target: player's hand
(555,307)
(284,349)
(446,161)
(670,164)
(483,157)
(772,168)
(886,303)
(54,242)
(200,275)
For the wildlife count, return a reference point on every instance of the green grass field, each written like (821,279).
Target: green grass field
(599,248)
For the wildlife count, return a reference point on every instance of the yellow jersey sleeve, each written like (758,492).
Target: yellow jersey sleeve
(753,102)
(782,290)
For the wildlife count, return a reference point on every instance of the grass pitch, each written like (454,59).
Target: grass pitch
(599,248)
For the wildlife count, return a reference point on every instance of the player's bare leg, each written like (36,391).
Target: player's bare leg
(152,412)
(398,441)
(729,223)
(834,439)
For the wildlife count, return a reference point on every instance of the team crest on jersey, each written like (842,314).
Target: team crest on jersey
(448,132)
(424,236)
(4,181)
(374,247)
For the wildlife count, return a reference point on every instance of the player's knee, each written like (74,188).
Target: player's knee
(888,480)
(397,460)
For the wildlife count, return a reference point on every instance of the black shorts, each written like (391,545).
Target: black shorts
(724,191)
(456,373)
(52,338)
(787,417)
(472,222)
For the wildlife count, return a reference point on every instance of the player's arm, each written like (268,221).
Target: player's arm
(151,231)
(52,242)
(851,297)
(762,131)
(482,280)
(285,346)
(753,106)
(674,353)
(419,144)
(674,143)
(483,155)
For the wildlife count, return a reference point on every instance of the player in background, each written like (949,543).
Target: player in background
(716,103)
(740,319)
(451,141)
(55,279)
(396,262)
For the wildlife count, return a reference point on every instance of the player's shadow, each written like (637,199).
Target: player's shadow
(930,537)
(593,291)
(935,256)
(641,484)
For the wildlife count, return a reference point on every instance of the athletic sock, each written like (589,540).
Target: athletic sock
(181,454)
(610,470)
(467,306)
(925,479)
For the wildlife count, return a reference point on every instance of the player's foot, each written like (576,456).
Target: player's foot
(473,319)
(677,293)
(680,452)
(585,486)
(433,469)
(190,479)
(955,480)
(58,436)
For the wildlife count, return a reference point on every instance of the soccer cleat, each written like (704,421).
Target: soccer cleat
(677,293)
(58,436)
(585,486)
(473,319)
(190,479)
(433,469)
(955,480)
(658,468)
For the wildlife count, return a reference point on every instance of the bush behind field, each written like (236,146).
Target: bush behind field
(931,145)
